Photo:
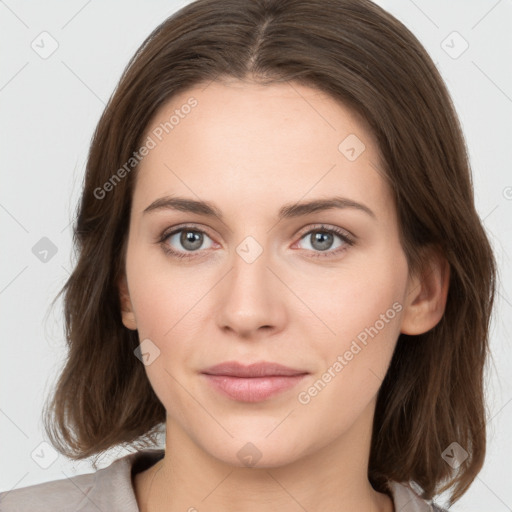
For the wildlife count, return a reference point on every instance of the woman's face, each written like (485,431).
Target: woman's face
(266,279)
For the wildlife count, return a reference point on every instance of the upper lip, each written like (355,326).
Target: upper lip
(261,369)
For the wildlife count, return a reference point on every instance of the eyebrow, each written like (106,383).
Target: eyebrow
(288,211)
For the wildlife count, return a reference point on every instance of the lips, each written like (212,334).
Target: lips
(252,383)
(263,369)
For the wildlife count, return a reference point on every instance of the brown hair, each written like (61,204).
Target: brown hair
(433,392)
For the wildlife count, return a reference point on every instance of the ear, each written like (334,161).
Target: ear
(427,291)
(127,312)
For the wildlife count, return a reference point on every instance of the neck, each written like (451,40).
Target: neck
(333,477)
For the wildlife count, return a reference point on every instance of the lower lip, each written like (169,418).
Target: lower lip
(254,389)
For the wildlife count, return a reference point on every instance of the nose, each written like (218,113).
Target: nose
(250,297)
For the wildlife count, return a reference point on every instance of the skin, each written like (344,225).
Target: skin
(250,149)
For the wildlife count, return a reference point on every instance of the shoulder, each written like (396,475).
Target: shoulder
(407,499)
(59,495)
(107,488)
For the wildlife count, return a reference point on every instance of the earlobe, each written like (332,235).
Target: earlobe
(127,313)
(426,296)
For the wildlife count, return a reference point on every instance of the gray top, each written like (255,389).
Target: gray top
(111,489)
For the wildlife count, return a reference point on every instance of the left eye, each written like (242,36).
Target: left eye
(321,239)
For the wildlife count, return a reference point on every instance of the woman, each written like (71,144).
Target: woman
(281,264)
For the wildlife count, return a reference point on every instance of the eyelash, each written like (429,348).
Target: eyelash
(345,237)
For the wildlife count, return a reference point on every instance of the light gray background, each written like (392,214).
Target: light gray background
(49,109)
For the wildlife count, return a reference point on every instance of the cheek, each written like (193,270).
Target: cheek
(169,304)
(362,310)
(156,309)
(163,305)
(366,332)
(354,362)
(365,296)
(160,292)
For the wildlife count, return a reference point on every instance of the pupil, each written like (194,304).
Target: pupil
(325,240)
(191,240)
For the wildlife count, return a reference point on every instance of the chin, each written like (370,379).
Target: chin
(254,450)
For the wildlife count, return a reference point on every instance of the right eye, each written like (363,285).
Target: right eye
(189,238)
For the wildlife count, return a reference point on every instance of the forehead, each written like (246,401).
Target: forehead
(243,139)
